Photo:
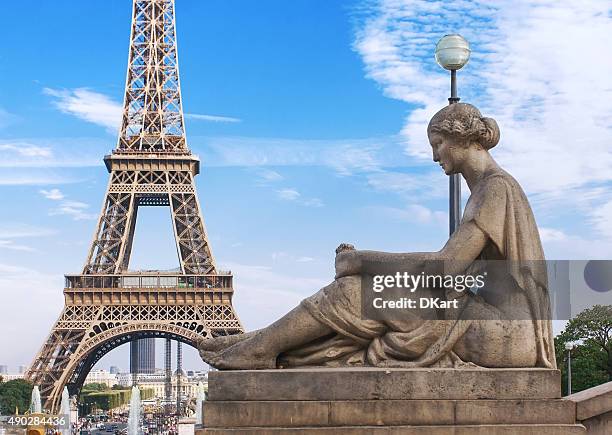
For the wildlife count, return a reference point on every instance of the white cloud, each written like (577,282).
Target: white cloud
(551,235)
(269,176)
(10,244)
(212,118)
(28,178)
(602,218)
(313,202)
(100,109)
(416,213)
(345,156)
(282,256)
(52,152)
(288,194)
(432,184)
(10,231)
(54,194)
(75,209)
(25,150)
(89,106)
(536,66)
(257,286)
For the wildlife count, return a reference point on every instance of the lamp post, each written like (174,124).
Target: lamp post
(452,53)
(569,346)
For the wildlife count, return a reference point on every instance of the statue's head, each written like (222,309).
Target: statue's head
(458,131)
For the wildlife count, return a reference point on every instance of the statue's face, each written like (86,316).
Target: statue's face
(445,152)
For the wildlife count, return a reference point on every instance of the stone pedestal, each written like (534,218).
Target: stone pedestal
(389,401)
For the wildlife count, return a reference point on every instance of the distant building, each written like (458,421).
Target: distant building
(157,381)
(142,355)
(23,369)
(101,377)
(9,377)
(114,370)
(3,370)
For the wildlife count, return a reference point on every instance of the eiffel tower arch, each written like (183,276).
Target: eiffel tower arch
(108,305)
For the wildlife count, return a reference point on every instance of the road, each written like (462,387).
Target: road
(103,431)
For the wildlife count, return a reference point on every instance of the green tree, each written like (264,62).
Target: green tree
(119,387)
(95,386)
(591,331)
(15,394)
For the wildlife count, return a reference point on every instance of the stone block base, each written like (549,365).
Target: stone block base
(388,401)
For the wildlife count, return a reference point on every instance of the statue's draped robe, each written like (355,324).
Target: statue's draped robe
(499,207)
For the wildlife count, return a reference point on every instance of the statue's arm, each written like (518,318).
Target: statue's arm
(463,247)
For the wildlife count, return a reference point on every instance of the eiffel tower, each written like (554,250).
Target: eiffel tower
(107,305)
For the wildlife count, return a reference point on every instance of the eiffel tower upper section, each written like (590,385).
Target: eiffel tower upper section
(151,164)
(152,120)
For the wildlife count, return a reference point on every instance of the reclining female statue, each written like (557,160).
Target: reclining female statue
(328,329)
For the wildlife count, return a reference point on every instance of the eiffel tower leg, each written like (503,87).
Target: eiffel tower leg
(107,253)
(192,244)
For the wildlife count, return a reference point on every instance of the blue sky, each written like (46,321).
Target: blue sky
(309,117)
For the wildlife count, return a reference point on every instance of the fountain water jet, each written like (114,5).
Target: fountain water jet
(65,413)
(35,403)
(199,400)
(134,417)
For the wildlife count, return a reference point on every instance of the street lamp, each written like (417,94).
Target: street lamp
(569,346)
(452,53)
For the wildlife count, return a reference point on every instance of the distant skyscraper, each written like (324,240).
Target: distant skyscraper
(142,356)
(114,370)
(3,370)
(23,369)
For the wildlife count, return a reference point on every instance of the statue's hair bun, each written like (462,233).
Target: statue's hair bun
(489,136)
(465,122)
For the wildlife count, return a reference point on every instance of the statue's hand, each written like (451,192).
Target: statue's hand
(348,261)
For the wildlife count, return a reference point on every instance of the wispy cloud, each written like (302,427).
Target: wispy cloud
(9,232)
(52,152)
(212,118)
(258,285)
(18,231)
(344,156)
(291,194)
(555,114)
(269,176)
(100,109)
(431,184)
(551,234)
(416,213)
(88,105)
(10,244)
(40,178)
(54,194)
(75,209)
(288,194)
(25,150)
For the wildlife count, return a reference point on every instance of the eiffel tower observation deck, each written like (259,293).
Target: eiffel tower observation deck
(107,304)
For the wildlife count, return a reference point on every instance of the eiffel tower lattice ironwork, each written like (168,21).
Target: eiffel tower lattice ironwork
(107,305)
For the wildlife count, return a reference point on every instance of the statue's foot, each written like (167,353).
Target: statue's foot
(241,356)
(219,343)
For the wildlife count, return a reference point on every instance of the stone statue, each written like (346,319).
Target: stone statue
(327,329)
